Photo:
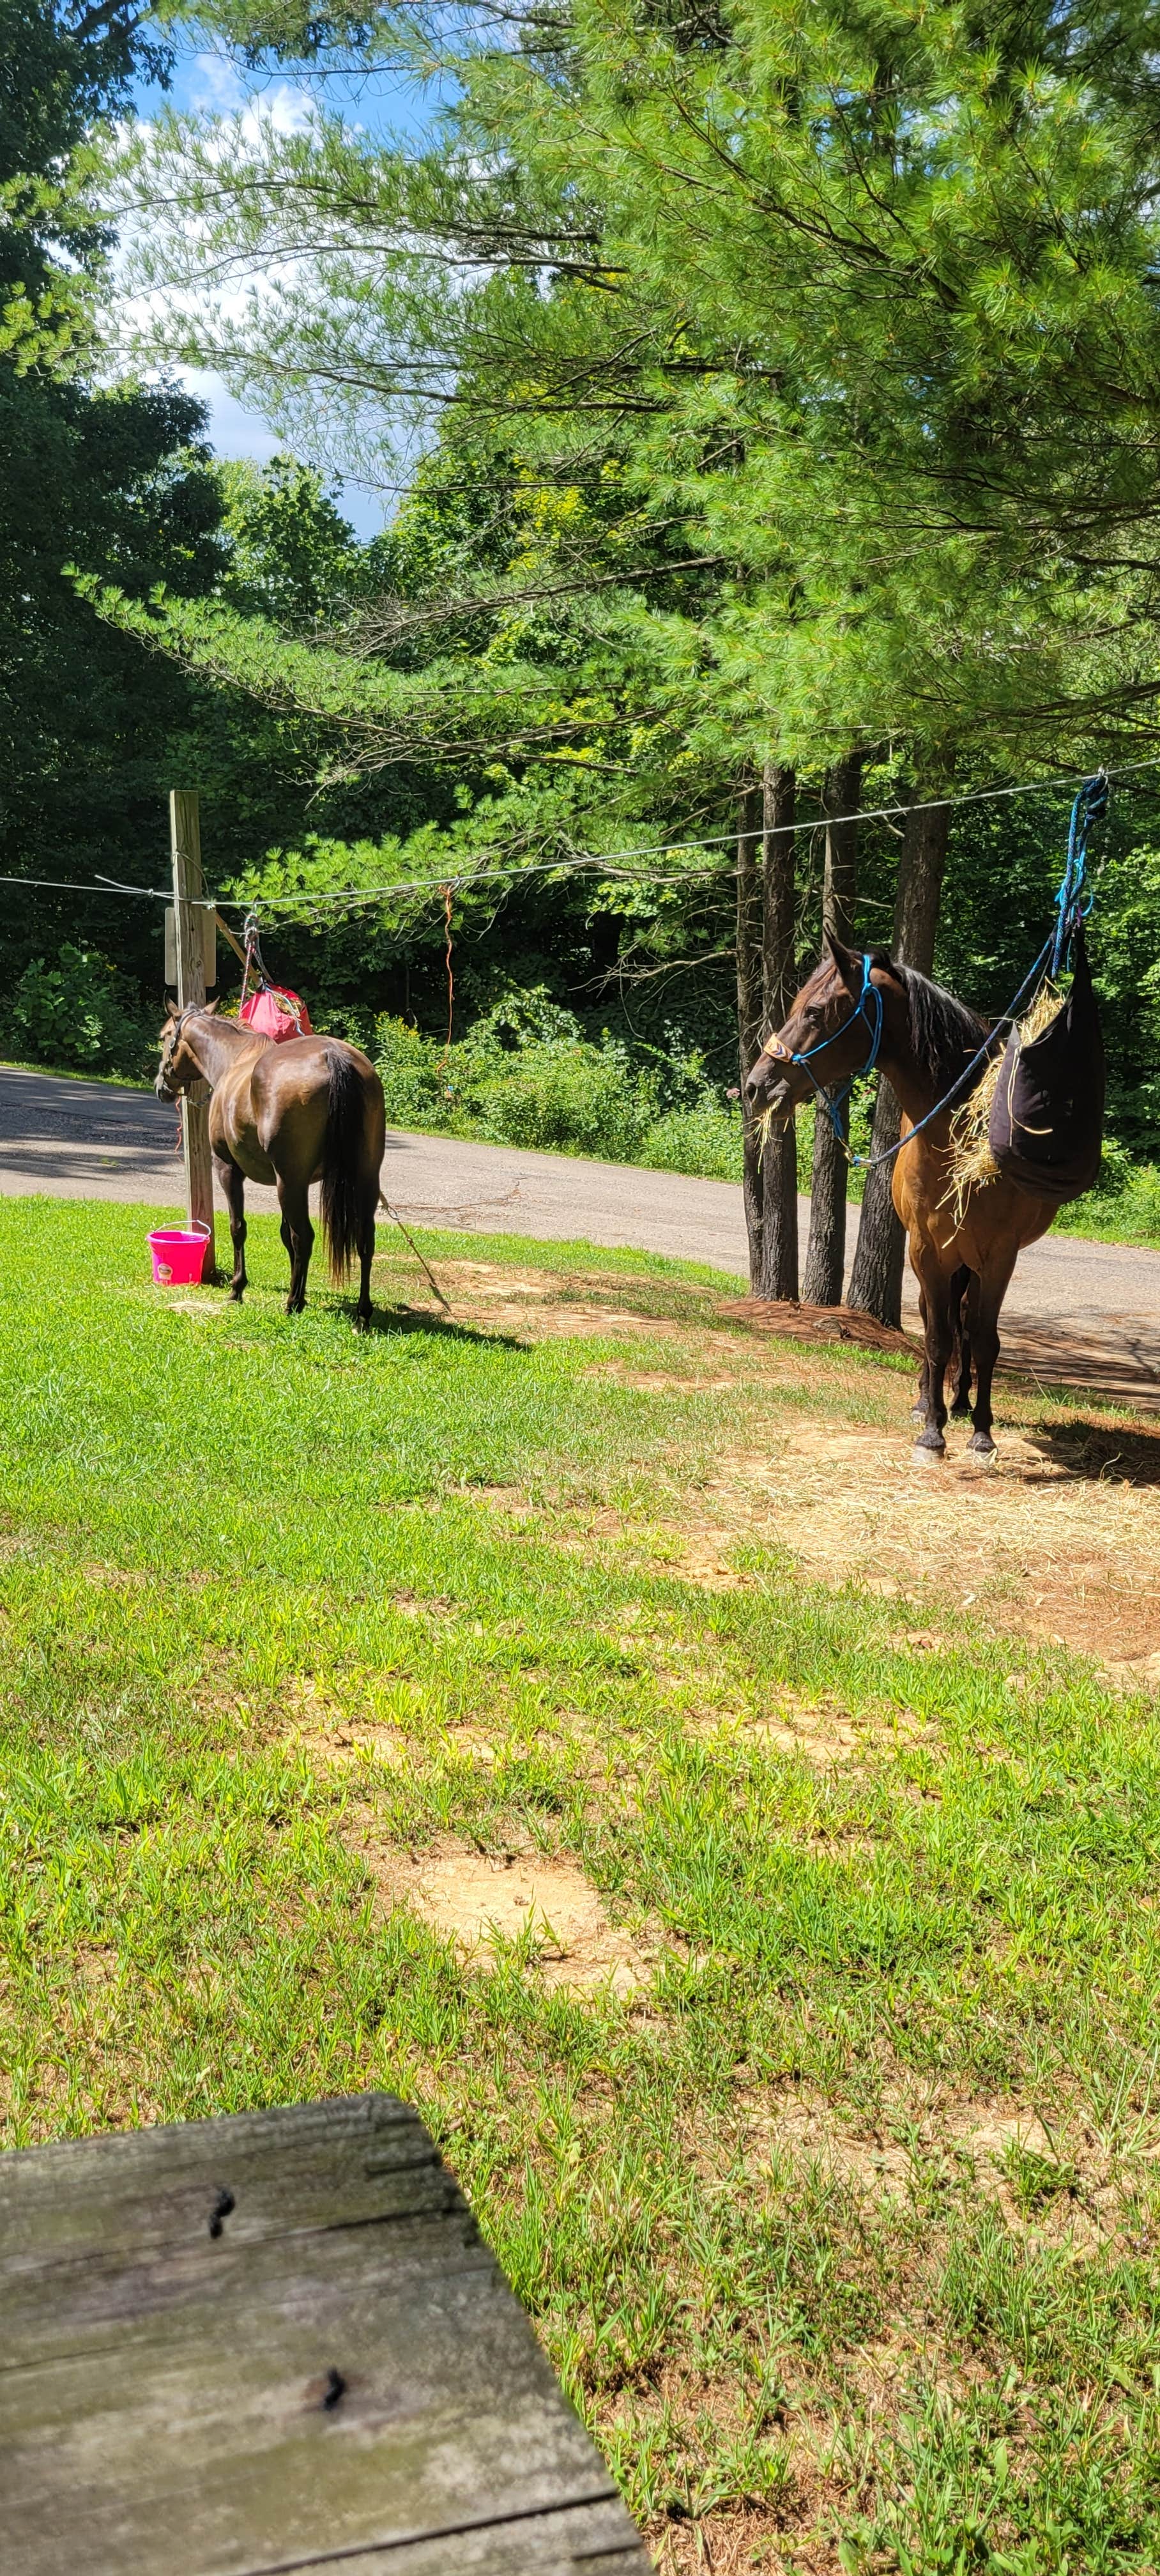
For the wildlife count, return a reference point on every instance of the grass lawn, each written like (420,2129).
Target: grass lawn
(586,1720)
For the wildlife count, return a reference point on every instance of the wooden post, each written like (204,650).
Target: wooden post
(749,1009)
(779,1233)
(185,842)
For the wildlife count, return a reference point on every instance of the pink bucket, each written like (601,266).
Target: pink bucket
(178,1254)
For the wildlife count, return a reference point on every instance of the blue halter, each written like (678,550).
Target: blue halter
(868,1007)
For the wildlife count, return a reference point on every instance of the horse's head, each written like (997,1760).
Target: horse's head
(179,1066)
(828,1036)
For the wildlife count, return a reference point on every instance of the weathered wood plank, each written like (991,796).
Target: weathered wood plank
(337,2371)
(325,2164)
(594,2540)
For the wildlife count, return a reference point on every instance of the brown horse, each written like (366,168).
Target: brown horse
(309,1110)
(928,1038)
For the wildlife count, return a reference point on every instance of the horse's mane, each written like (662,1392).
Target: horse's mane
(944,1032)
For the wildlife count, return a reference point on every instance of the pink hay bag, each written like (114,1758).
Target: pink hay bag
(276,1013)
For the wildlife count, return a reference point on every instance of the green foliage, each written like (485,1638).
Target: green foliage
(573,1099)
(292,556)
(890,396)
(63,68)
(78,1011)
(526,1075)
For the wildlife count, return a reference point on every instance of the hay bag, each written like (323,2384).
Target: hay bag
(1046,1127)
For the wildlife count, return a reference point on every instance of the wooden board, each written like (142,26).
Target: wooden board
(253,2345)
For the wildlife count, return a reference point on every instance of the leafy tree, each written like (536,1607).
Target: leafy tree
(292,556)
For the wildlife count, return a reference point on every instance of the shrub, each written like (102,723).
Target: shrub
(569,1098)
(704,1139)
(417,1093)
(526,1074)
(79,1011)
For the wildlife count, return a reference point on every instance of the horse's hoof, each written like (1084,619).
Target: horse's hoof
(235,1296)
(362,1322)
(982,1445)
(961,1412)
(918,1413)
(931,1444)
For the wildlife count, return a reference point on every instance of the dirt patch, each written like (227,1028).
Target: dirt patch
(823,1735)
(1050,2179)
(798,1321)
(317,1724)
(483,1903)
(1056,1536)
(712,1571)
(1031,1540)
(348,1744)
(499,1498)
(545,1305)
(1118,1363)
(821,1732)
(659,1381)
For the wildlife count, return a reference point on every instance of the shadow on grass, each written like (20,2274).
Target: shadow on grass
(393,1320)
(1101,1450)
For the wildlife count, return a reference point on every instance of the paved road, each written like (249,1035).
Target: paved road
(1095,1305)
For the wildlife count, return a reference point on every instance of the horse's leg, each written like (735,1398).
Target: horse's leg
(366,1254)
(939,1344)
(298,1237)
(233,1189)
(960,1308)
(987,1294)
(921,1404)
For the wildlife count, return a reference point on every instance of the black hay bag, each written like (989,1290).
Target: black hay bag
(1046,1128)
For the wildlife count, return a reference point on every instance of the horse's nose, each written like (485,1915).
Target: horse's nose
(765,1086)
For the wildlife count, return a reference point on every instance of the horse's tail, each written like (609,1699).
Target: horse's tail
(342,1162)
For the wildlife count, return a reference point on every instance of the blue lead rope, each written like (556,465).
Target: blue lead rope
(1072,903)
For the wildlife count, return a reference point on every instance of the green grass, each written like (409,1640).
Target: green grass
(223,1532)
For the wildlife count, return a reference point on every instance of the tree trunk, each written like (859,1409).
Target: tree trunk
(779,1236)
(749,1010)
(826,1257)
(876,1280)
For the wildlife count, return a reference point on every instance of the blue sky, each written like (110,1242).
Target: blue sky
(208,82)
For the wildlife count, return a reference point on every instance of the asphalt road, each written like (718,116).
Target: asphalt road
(1087,1310)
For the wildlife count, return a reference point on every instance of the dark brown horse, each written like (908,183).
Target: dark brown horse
(309,1110)
(963,1265)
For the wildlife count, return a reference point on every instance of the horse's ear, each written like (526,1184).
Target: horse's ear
(211,1006)
(849,966)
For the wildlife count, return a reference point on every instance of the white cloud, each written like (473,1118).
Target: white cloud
(211,85)
(233,431)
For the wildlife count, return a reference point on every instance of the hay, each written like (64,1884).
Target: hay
(763,1126)
(972,1162)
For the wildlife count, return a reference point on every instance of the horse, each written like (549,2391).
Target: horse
(926,1039)
(310,1109)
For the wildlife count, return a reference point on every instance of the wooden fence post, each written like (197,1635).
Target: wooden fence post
(185,842)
